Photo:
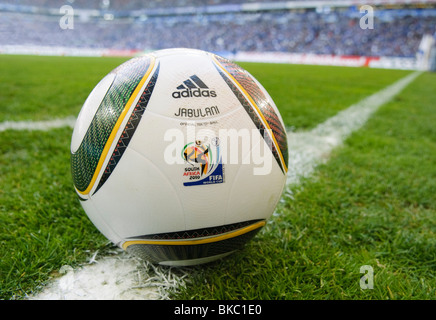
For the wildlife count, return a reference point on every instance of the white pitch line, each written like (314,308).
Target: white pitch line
(116,277)
(37,125)
(124,277)
(308,149)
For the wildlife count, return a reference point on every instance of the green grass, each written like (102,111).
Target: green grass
(372,204)
(40,88)
(41,225)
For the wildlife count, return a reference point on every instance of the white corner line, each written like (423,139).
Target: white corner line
(38,125)
(309,148)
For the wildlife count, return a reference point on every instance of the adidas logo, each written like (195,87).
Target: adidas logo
(193,87)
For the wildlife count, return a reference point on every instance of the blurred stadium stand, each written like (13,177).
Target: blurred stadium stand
(223,26)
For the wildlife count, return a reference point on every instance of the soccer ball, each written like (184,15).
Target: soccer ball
(179,156)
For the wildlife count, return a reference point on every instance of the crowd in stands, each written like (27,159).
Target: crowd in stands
(129,4)
(335,32)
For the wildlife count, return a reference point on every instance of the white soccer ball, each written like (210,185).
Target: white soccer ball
(179,156)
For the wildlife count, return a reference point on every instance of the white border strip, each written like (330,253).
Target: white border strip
(37,125)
